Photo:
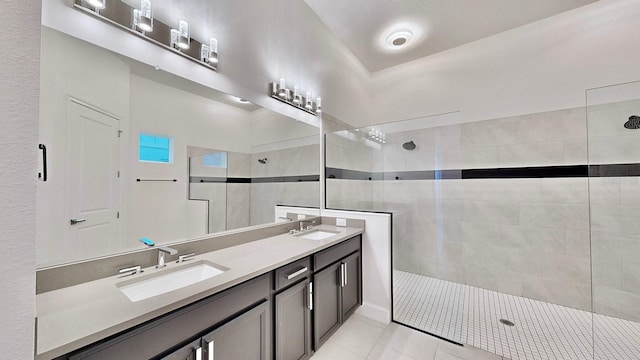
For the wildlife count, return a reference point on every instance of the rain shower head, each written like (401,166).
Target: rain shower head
(633,123)
(409,145)
(262,161)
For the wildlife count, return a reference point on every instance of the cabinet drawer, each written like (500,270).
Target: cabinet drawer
(292,273)
(335,253)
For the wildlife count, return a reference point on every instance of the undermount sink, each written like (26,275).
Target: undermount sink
(169,280)
(318,235)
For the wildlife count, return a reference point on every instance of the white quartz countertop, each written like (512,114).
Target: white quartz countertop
(79,315)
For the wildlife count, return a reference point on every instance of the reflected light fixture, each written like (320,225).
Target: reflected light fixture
(143,17)
(98,4)
(279,91)
(183,40)
(377,136)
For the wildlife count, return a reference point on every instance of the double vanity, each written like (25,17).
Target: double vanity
(277,297)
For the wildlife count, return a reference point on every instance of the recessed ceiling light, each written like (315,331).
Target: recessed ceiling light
(399,39)
(243,101)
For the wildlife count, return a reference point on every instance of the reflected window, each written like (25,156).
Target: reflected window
(218,160)
(155,148)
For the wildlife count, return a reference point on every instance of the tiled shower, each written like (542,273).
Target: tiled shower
(532,219)
(282,173)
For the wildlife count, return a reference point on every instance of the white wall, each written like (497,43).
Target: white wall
(19,70)
(260,41)
(543,66)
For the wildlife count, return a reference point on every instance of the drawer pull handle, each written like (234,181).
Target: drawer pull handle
(346,275)
(299,272)
(198,353)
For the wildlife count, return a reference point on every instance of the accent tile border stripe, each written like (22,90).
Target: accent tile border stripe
(561,171)
(260,180)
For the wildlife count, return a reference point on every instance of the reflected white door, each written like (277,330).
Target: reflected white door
(92,189)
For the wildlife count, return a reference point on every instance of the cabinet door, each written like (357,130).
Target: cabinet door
(326,303)
(247,337)
(351,285)
(192,351)
(293,322)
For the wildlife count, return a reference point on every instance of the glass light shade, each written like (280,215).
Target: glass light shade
(319,104)
(308,103)
(184,39)
(296,95)
(274,88)
(204,53)
(174,38)
(145,21)
(98,4)
(282,89)
(213,51)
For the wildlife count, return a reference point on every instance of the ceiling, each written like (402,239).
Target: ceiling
(437,25)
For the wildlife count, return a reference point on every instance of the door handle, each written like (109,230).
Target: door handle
(310,296)
(77,221)
(43,175)
(198,353)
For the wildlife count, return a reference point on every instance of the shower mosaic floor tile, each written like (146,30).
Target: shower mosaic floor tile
(471,315)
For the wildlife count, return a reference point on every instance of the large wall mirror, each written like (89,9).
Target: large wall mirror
(134,152)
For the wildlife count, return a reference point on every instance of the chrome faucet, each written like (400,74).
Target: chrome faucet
(162,251)
(310,222)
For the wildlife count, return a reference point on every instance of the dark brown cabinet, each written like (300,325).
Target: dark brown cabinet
(244,337)
(293,322)
(287,313)
(327,307)
(337,288)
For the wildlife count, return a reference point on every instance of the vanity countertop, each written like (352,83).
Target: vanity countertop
(79,315)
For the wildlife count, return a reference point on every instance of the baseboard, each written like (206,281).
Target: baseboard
(375,312)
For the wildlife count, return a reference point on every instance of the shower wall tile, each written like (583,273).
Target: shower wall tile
(620,219)
(239,165)
(615,302)
(621,149)
(605,190)
(531,154)
(607,273)
(631,277)
(630,190)
(301,160)
(578,243)
(239,209)
(559,216)
(491,211)
(559,291)
(491,132)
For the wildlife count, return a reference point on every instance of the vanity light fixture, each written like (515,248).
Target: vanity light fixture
(377,136)
(279,91)
(143,17)
(138,20)
(98,4)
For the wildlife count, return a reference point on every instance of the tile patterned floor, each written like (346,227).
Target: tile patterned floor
(361,338)
(470,315)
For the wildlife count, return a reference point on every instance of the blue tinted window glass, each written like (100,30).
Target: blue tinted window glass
(218,160)
(154,148)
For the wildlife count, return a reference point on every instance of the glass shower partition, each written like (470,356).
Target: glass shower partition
(613,118)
